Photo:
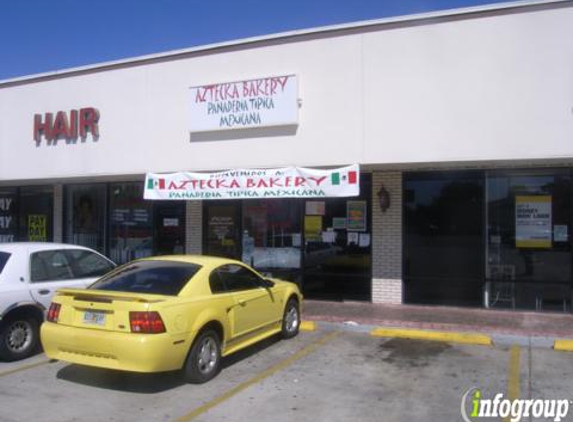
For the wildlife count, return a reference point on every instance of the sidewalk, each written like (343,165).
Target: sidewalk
(487,321)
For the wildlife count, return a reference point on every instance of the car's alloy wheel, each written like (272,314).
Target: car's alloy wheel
(291,319)
(204,359)
(18,338)
(208,356)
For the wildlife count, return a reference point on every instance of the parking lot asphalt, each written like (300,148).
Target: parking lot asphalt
(324,375)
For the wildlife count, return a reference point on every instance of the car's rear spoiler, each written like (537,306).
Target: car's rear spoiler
(109,296)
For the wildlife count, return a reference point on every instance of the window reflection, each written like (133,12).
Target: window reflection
(272,233)
(131,234)
(528,242)
(443,244)
(85,223)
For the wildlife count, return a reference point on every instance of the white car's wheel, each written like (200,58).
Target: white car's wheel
(18,338)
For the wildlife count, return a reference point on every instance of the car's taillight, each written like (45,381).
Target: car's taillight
(146,322)
(54,312)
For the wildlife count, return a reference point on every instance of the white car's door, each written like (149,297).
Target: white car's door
(60,268)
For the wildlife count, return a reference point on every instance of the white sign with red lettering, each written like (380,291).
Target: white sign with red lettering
(288,182)
(263,102)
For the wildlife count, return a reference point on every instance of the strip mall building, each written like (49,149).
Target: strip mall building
(461,123)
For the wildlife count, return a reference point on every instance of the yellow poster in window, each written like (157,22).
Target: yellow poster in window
(37,228)
(533,215)
(313,228)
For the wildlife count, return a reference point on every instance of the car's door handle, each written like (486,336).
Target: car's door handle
(242,302)
(44,291)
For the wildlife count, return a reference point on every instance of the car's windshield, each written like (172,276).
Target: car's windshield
(153,277)
(4,256)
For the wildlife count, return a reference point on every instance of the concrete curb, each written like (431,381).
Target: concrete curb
(463,337)
(447,327)
(452,337)
(375,331)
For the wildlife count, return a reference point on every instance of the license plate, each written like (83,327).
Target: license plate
(94,317)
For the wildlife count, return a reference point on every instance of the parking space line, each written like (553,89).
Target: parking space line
(260,377)
(23,368)
(513,376)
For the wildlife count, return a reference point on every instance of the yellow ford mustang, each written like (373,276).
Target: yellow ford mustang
(169,313)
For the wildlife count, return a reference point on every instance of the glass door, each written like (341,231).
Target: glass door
(223,228)
(169,227)
(85,215)
(130,223)
(444,238)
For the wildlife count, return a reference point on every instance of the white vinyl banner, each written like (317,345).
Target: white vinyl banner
(269,101)
(288,182)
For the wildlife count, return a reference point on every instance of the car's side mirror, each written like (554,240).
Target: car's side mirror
(267,283)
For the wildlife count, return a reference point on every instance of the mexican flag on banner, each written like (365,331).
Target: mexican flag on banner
(154,183)
(350,177)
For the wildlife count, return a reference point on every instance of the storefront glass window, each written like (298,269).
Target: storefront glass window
(272,235)
(528,239)
(322,244)
(337,246)
(8,215)
(36,214)
(85,215)
(443,238)
(130,223)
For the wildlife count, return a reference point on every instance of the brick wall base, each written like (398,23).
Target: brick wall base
(387,239)
(387,291)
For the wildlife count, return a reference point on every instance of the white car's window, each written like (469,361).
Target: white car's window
(49,266)
(87,264)
(4,256)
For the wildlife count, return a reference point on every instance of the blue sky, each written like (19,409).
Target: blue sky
(45,35)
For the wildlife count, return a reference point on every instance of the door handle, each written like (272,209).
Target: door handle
(44,291)
(242,302)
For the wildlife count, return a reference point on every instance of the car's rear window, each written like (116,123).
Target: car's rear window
(4,256)
(153,277)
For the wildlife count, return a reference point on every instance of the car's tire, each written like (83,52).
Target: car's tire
(291,319)
(204,360)
(19,338)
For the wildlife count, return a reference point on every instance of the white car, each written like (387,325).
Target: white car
(30,274)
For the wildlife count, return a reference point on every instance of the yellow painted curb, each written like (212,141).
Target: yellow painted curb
(563,345)
(453,337)
(308,326)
